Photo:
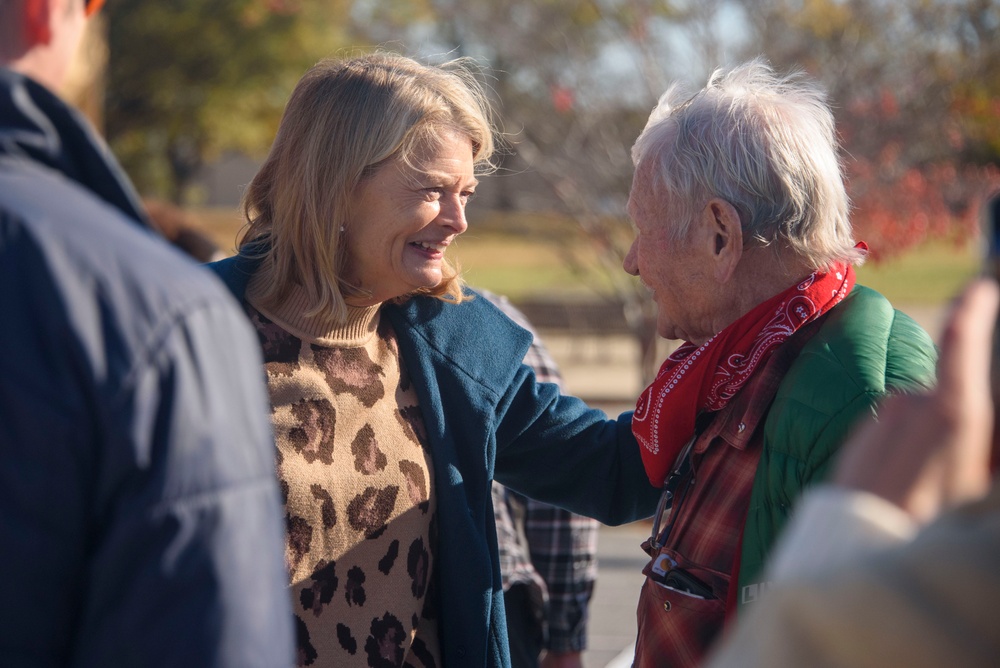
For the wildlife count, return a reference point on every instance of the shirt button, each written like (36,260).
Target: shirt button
(666,606)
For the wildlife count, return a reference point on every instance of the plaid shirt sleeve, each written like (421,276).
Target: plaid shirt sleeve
(563,549)
(560,554)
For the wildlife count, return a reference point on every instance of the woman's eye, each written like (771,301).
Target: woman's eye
(437,192)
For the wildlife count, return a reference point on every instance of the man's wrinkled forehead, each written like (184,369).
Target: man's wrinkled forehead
(643,192)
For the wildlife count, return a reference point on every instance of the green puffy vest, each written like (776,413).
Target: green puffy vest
(863,351)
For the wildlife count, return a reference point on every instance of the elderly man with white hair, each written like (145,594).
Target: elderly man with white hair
(744,238)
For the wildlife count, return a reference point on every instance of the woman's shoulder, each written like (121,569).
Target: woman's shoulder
(476,314)
(474,327)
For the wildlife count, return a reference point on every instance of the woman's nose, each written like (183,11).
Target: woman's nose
(453,213)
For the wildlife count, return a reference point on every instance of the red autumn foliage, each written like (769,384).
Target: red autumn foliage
(562,99)
(900,202)
(896,208)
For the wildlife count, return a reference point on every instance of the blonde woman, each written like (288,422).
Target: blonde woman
(395,390)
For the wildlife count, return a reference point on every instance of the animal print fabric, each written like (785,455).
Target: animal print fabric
(356,478)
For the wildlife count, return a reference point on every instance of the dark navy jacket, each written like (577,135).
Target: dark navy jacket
(486,416)
(140,520)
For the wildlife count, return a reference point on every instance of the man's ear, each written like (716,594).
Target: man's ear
(724,233)
(37,30)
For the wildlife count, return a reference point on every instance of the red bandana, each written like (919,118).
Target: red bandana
(695,379)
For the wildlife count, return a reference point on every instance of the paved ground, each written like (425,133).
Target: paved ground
(604,371)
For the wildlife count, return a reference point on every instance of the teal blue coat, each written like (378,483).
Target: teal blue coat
(863,351)
(486,417)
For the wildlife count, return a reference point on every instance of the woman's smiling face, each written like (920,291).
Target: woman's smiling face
(403,217)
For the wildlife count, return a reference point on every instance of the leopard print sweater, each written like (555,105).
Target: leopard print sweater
(356,477)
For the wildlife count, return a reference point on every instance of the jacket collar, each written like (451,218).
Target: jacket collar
(39,128)
(236,271)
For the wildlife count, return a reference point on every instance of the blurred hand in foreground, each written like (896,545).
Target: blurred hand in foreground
(931,451)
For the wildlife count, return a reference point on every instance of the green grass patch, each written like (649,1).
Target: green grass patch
(523,265)
(928,275)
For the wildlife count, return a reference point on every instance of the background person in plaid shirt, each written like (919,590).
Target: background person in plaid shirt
(548,556)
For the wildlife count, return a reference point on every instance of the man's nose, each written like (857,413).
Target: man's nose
(630,264)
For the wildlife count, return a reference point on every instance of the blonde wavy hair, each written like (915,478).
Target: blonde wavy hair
(343,121)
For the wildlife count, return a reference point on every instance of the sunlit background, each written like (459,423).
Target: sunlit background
(191,92)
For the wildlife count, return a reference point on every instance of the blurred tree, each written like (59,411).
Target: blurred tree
(916,91)
(915,87)
(976,99)
(188,79)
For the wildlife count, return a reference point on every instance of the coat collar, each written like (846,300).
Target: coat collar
(39,128)
(236,272)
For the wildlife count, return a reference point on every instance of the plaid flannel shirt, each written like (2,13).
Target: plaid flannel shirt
(551,550)
(675,629)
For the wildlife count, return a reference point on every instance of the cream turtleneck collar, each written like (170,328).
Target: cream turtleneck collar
(322,328)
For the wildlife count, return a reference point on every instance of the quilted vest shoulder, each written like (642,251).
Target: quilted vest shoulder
(864,350)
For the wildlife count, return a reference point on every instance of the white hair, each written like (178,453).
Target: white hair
(762,142)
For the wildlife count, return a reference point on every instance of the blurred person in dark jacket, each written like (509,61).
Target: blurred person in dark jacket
(140,515)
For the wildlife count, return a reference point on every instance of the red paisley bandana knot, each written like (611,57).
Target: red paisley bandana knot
(702,378)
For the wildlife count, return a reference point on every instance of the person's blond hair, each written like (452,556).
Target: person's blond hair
(343,121)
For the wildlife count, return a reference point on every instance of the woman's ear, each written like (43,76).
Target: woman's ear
(721,222)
